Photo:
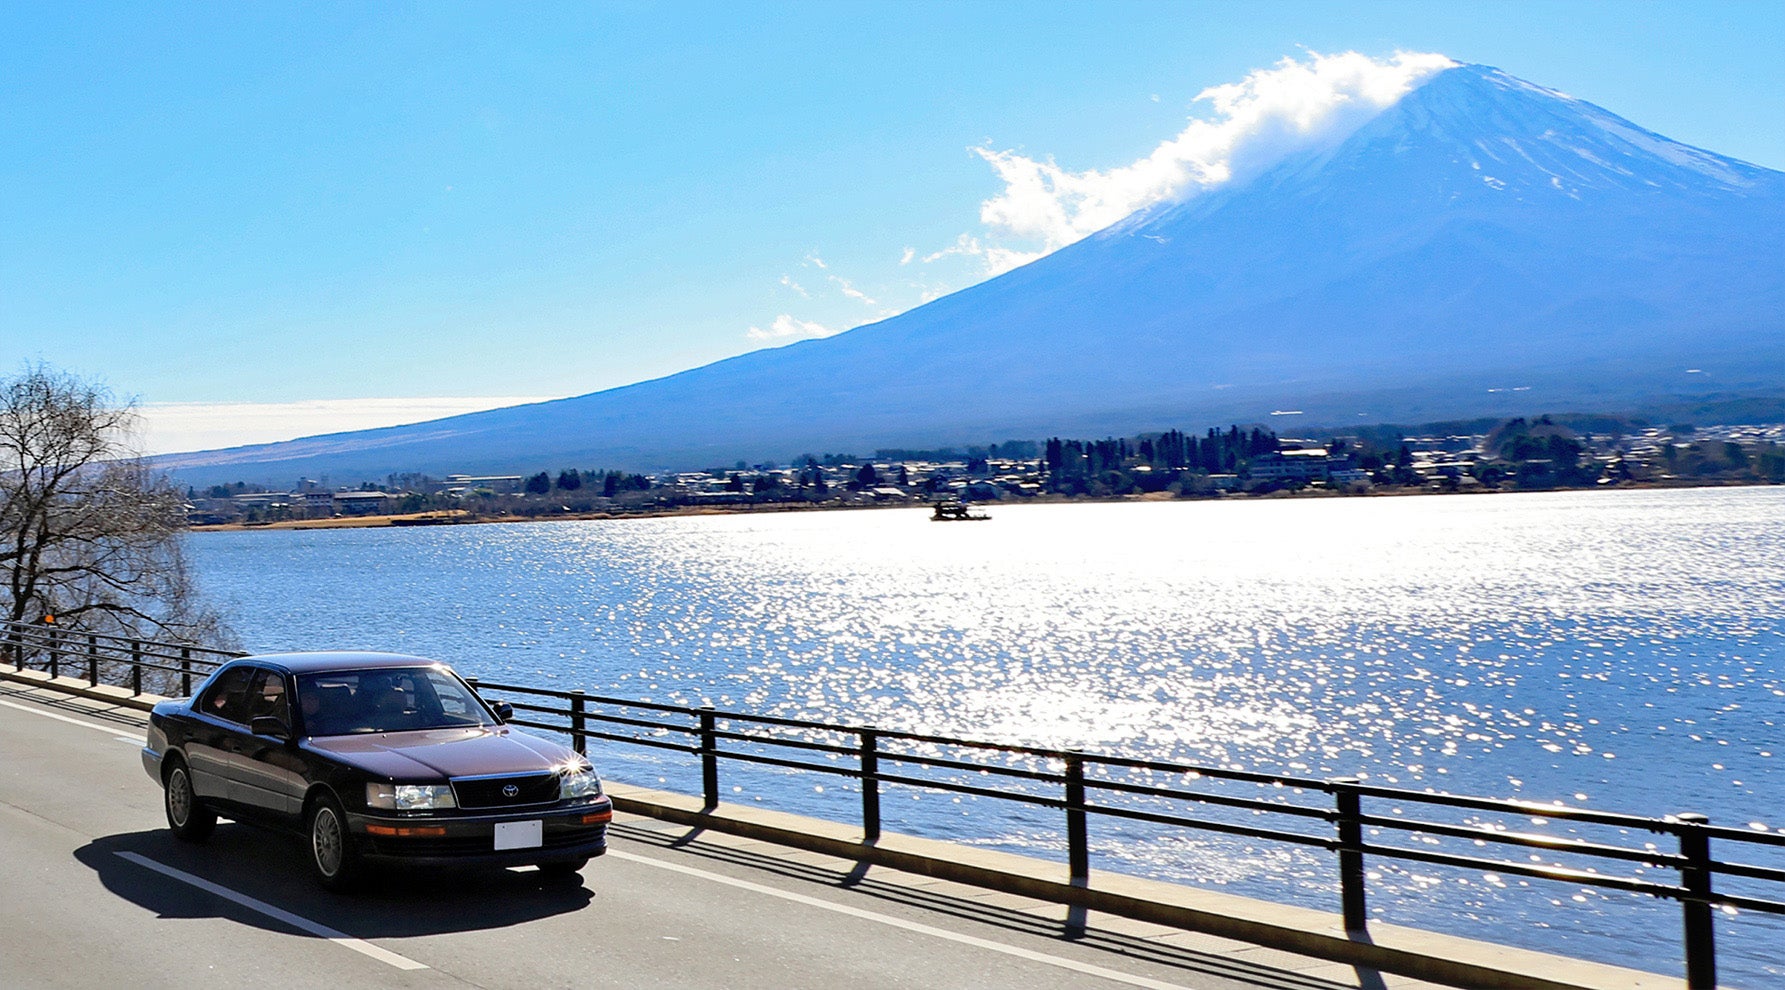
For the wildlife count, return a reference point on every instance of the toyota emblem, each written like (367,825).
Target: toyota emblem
(511,791)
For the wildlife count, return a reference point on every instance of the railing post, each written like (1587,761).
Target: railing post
(1351,853)
(870,750)
(1695,876)
(136,666)
(185,672)
(55,654)
(709,757)
(1078,845)
(92,660)
(577,710)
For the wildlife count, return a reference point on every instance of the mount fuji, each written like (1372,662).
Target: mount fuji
(1482,246)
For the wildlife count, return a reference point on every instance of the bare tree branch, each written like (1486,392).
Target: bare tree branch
(88,533)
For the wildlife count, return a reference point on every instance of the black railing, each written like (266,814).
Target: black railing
(1344,816)
(143,665)
(1354,820)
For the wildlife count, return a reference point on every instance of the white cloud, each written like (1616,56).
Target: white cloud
(843,285)
(851,291)
(997,259)
(1257,122)
(1298,104)
(170,427)
(788,326)
(965,244)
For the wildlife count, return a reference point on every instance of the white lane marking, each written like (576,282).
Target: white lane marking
(342,939)
(911,926)
(63,718)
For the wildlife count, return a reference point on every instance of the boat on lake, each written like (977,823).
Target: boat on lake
(955,510)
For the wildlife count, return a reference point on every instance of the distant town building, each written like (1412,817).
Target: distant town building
(361,503)
(501,484)
(318,504)
(1291,465)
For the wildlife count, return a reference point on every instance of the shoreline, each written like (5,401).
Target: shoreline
(459,517)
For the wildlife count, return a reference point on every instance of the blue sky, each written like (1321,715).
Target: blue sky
(268,220)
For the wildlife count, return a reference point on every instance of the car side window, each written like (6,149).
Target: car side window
(227,698)
(266,696)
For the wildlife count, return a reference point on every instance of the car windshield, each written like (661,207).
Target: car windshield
(402,699)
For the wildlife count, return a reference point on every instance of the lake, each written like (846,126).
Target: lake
(1618,650)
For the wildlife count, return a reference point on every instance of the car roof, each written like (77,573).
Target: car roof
(310,663)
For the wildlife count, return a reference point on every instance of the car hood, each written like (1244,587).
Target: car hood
(436,753)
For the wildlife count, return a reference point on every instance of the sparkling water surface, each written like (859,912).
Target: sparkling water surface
(1613,650)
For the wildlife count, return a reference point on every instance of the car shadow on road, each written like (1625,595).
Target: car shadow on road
(271,868)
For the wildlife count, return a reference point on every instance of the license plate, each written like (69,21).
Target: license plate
(520,835)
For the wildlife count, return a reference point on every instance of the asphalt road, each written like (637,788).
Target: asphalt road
(94,892)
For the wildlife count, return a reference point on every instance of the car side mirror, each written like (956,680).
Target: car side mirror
(504,711)
(268,725)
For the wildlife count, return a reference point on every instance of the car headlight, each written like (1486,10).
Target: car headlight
(410,797)
(579,784)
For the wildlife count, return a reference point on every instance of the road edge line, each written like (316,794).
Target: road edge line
(342,939)
(1047,959)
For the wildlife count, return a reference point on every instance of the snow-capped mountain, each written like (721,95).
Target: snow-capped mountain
(1482,246)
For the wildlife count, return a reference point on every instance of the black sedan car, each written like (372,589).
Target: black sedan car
(373,757)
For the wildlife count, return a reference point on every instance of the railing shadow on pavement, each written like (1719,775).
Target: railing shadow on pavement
(1038,921)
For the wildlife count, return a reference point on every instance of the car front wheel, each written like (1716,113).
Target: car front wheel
(332,856)
(187,817)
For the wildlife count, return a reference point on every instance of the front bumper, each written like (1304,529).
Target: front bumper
(567,835)
(152,764)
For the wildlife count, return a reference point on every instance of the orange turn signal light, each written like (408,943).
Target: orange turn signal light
(598,817)
(405,831)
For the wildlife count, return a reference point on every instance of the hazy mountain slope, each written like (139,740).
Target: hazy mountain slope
(1479,236)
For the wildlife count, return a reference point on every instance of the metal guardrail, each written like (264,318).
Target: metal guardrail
(104,659)
(1325,814)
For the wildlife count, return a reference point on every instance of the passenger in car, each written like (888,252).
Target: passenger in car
(271,700)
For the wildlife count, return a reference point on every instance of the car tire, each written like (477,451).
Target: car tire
(562,869)
(188,817)
(333,859)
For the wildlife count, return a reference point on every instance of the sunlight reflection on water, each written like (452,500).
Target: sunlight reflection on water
(1618,650)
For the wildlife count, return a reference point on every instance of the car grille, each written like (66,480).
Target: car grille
(494,792)
(554,837)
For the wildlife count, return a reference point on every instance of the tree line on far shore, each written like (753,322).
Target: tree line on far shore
(1541,452)
(1519,453)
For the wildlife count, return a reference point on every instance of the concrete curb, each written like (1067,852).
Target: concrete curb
(1406,951)
(79,687)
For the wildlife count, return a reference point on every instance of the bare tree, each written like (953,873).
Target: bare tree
(91,535)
